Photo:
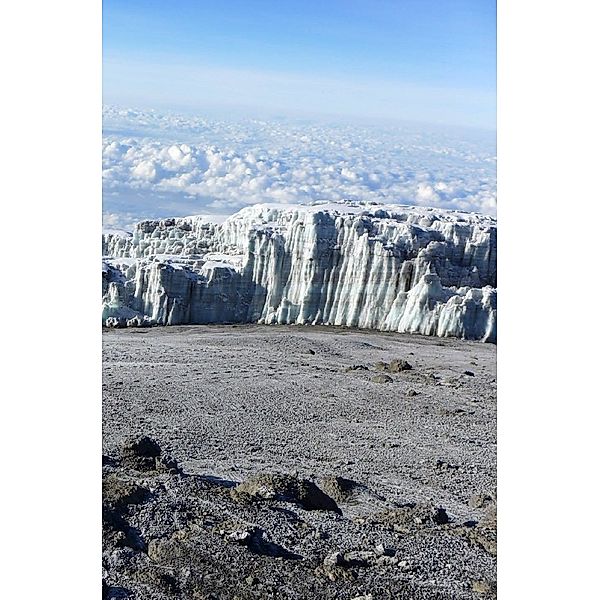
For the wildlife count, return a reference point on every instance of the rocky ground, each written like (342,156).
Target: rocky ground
(297,462)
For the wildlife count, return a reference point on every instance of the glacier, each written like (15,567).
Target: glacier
(388,267)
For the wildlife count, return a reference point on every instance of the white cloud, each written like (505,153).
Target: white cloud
(184,165)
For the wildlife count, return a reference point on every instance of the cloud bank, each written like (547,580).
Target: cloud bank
(157,165)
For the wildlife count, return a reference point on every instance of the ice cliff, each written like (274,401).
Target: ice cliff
(386,267)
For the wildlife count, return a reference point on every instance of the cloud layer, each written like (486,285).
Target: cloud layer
(158,165)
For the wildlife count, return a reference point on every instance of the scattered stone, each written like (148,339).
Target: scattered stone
(382,379)
(411,393)
(140,453)
(117,532)
(120,492)
(469,373)
(168,583)
(352,559)
(382,550)
(442,465)
(339,488)
(358,558)
(143,446)
(169,464)
(411,516)
(356,368)
(335,559)
(483,587)
(439,516)
(311,351)
(108,461)
(257,541)
(143,453)
(241,536)
(162,550)
(490,518)
(480,501)
(285,488)
(156,577)
(387,560)
(395,366)
(399,364)
(482,534)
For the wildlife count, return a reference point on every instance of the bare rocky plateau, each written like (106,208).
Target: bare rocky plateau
(245,462)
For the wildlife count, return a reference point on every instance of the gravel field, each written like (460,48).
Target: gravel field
(247,461)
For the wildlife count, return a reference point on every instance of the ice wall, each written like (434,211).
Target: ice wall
(387,267)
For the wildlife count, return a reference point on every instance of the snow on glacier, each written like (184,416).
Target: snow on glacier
(380,266)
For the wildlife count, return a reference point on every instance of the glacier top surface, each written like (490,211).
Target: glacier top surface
(367,209)
(116,231)
(267,213)
(257,213)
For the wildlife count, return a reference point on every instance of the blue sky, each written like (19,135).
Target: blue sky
(415,60)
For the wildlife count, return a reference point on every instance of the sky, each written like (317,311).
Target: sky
(431,61)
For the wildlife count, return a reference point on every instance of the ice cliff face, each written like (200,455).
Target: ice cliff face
(387,267)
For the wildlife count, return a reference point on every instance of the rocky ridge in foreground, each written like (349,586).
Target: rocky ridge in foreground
(168,534)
